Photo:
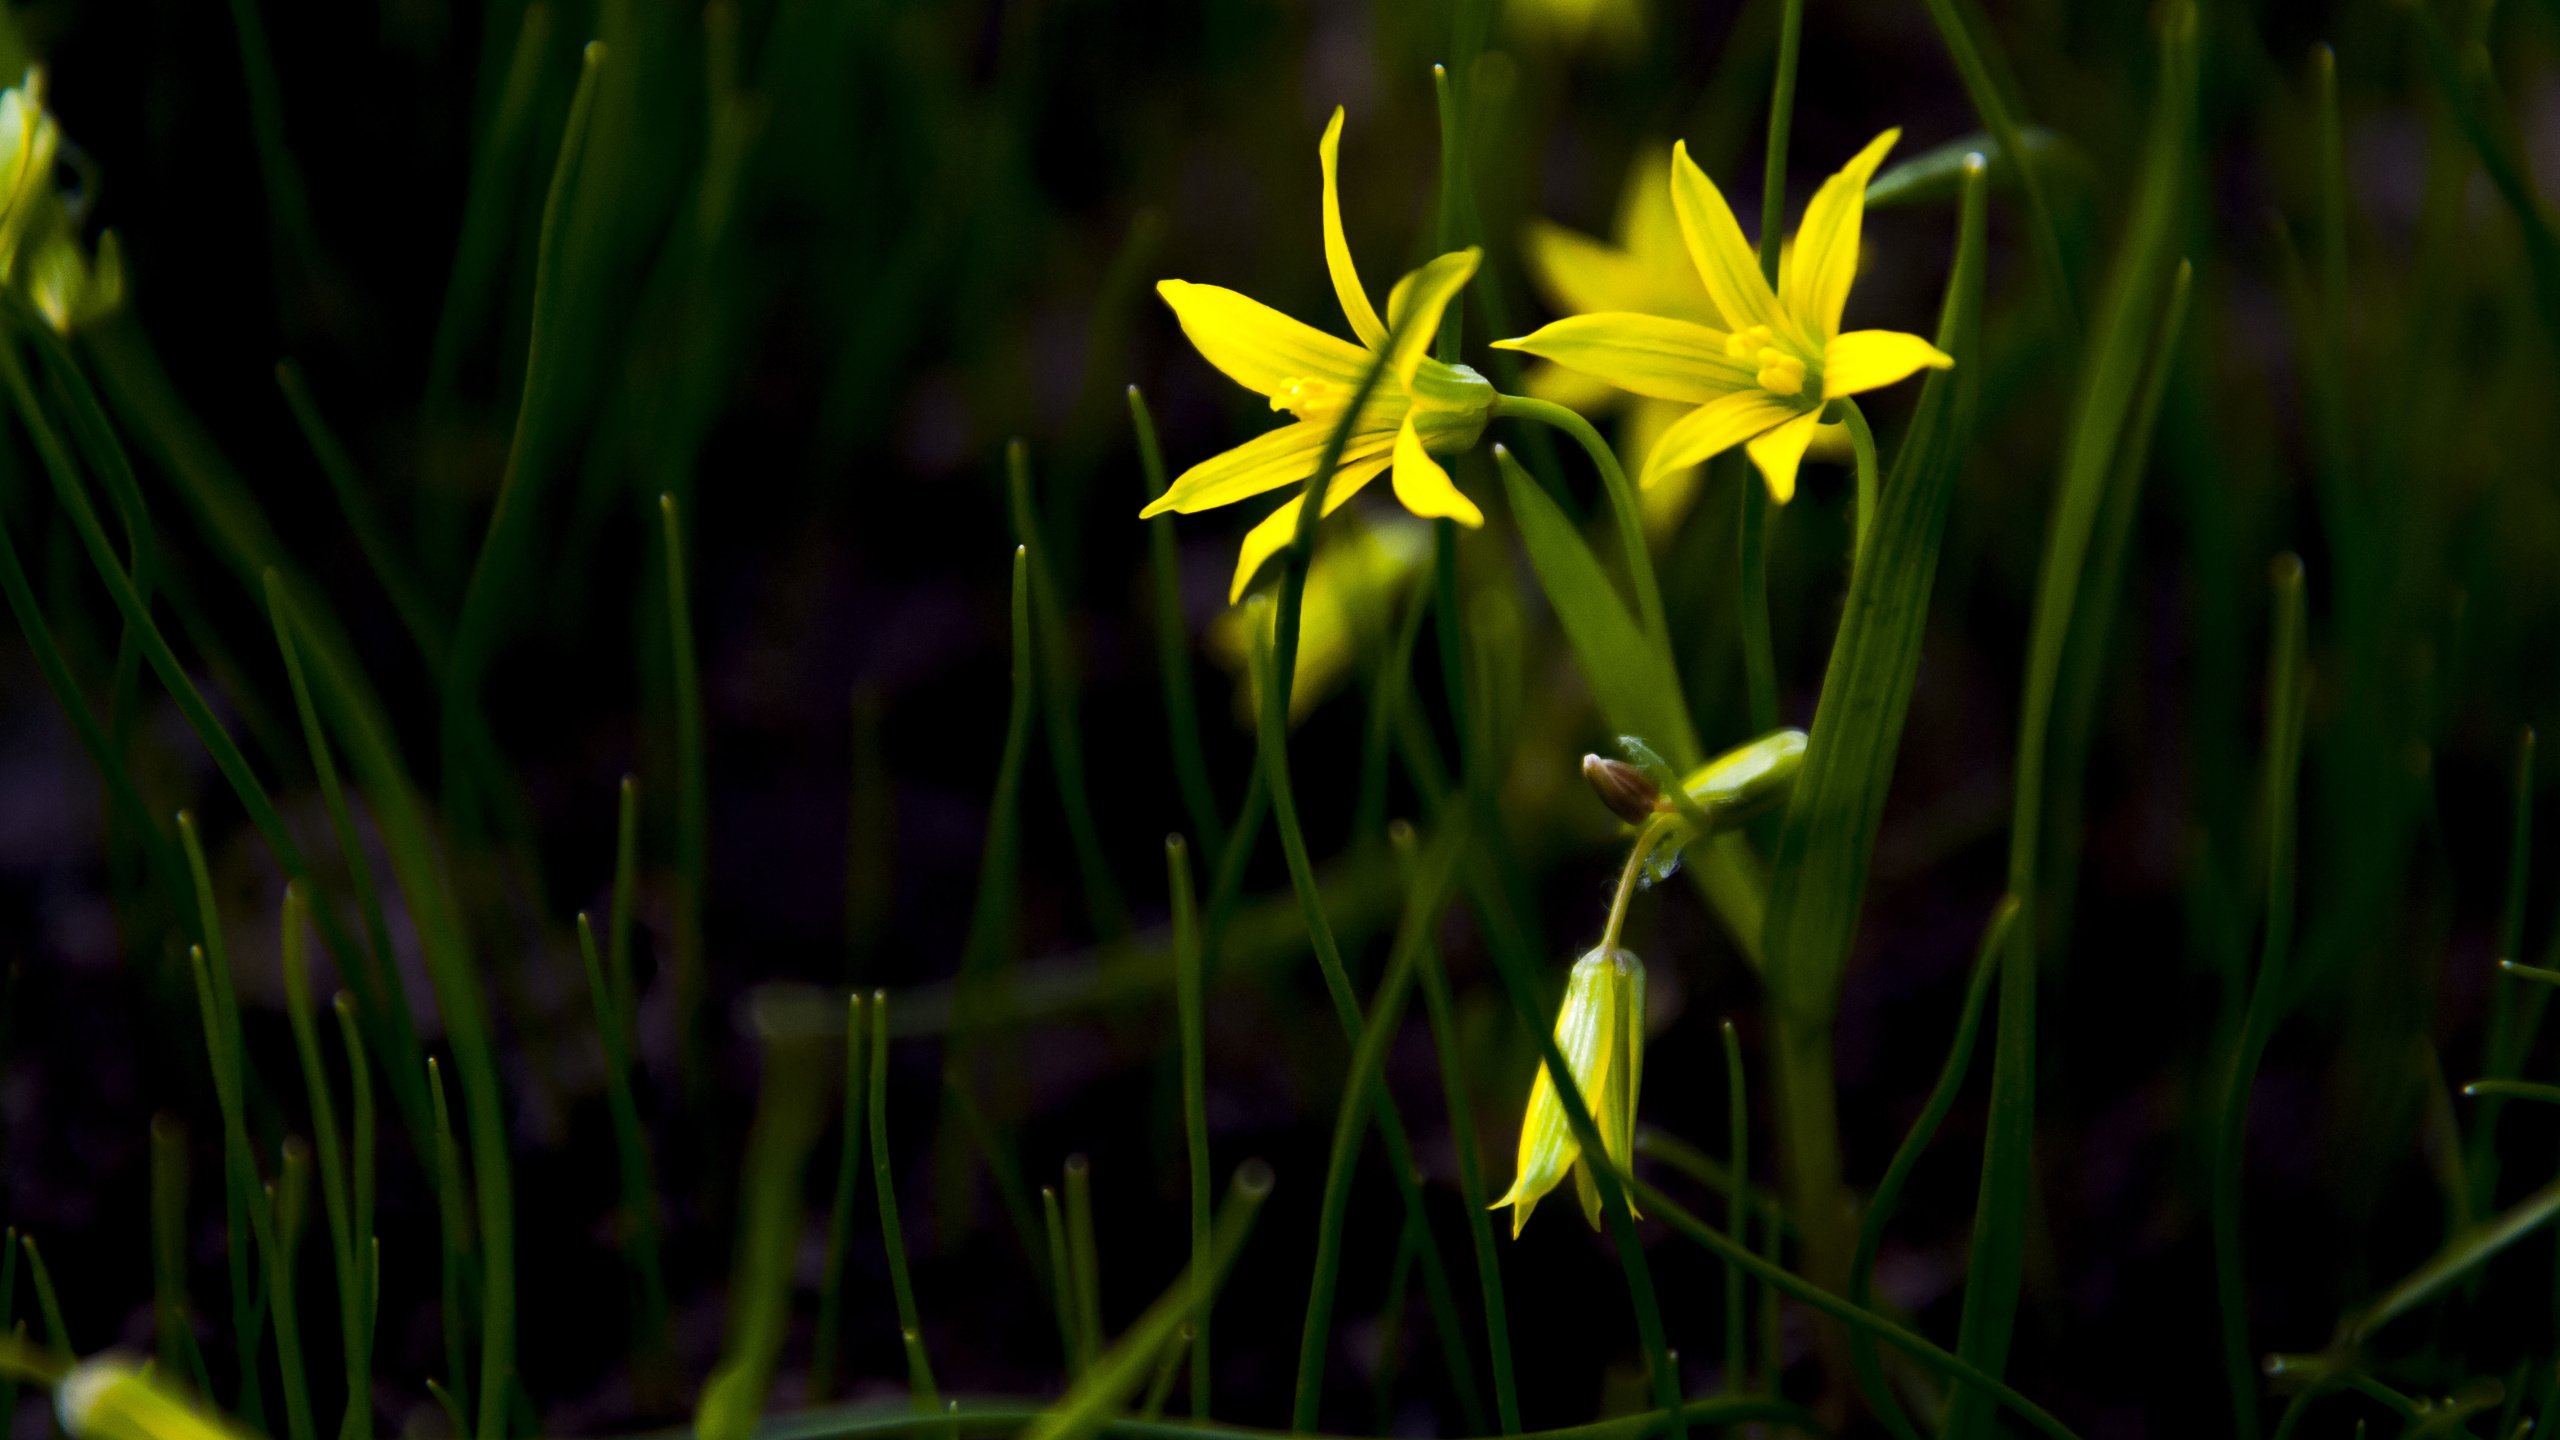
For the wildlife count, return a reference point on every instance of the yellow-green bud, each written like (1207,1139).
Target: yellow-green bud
(108,1398)
(1600,1029)
(1747,779)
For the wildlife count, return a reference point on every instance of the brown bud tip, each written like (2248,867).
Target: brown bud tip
(1629,793)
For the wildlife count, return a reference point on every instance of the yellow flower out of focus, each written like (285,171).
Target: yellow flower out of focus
(1352,585)
(1762,378)
(108,1398)
(39,244)
(1600,1029)
(1610,25)
(1419,407)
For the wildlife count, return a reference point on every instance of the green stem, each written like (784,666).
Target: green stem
(1782,110)
(631,1162)
(454,1236)
(1062,1285)
(823,1353)
(1622,503)
(1759,652)
(693,823)
(1737,1285)
(343,1240)
(1002,1419)
(1862,442)
(1195,1119)
(1084,1259)
(1173,645)
(1445,1042)
(926,1399)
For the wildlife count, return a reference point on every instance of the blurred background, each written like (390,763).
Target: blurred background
(819,261)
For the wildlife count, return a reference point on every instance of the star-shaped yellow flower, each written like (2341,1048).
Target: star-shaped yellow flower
(1762,380)
(1419,406)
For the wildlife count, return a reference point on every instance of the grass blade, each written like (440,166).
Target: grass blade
(355,503)
(639,1218)
(1173,646)
(454,1237)
(2267,999)
(1091,1401)
(1737,1286)
(287,1198)
(693,805)
(1460,1097)
(366,1184)
(344,1239)
(173,1323)
(1062,1285)
(1983,88)
(1109,913)
(824,1350)
(793,1024)
(2109,376)
(1195,1116)
(928,1400)
(1084,1260)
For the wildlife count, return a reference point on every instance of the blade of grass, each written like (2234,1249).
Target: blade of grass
(2267,999)
(355,504)
(173,1326)
(623,1019)
(1759,662)
(1826,838)
(991,936)
(344,1239)
(287,1197)
(1062,1285)
(1273,745)
(2512,1018)
(2461,74)
(1108,912)
(2515,1089)
(1195,1116)
(1982,87)
(1460,1098)
(454,1237)
(365,1173)
(1090,1403)
(377,986)
(48,1300)
(13,1332)
(1003,1418)
(693,820)
(2109,375)
(1173,645)
(638,1228)
(1084,1260)
(490,595)
(2459,1256)
(824,1351)
(869,837)
(927,1399)
(1716,1175)
(792,1024)
(1906,1157)
(480,246)
(1421,920)
(1737,1286)
(243,1194)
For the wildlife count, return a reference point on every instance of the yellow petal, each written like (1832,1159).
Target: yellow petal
(1668,499)
(1414,307)
(1255,345)
(1714,428)
(1266,462)
(1280,527)
(1778,452)
(1337,250)
(1578,274)
(1644,354)
(1826,248)
(1424,488)
(1724,259)
(1869,359)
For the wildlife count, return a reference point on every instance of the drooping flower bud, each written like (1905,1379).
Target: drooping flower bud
(1600,1029)
(109,1398)
(1629,793)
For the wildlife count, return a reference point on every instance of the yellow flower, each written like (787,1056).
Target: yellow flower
(1760,380)
(1601,1032)
(1352,584)
(66,286)
(1611,25)
(107,1398)
(1418,408)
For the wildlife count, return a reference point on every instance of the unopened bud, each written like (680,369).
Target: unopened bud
(1629,793)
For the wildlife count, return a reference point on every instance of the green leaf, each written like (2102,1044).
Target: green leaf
(1637,690)
(1938,173)
(1828,835)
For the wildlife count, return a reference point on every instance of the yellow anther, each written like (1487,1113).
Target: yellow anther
(1743,343)
(1304,395)
(1780,374)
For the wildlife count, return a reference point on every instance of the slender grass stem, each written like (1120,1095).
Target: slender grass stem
(1188,1001)
(344,1239)
(1862,444)
(1103,903)
(2267,997)
(991,917)
(2515,1089)
(1312,502)
(1782,112)
(287,1198)
(1084,1260)
(1001,1418)
(1447,1044)
(2512,1017)
(244,1197)
(1062,1285)
(48,1300)
(1989,101)
(625,1012)
(454,1250)
(1759,651)
(825,1350)
(12,1331)
(1737,1285)
(408,596)
(173,1328)
(1623,505)
(927,1399)
(1421,921)
(638,1226)
(1173,647)
(693,806)
(364,1175)
(1716,1175)
(1906,1157)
